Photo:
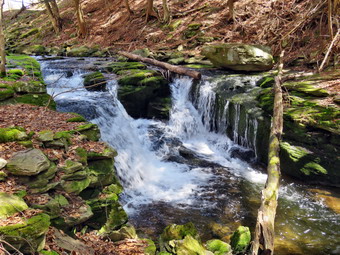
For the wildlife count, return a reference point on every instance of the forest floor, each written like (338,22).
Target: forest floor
(300,26)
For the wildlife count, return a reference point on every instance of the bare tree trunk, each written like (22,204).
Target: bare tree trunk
(230,4)
(2,40)
(56,13)
(263,243)
(127,5)
(55,18)
(22,9)
(167,15)
(172,68)
(149,10)
(82,31)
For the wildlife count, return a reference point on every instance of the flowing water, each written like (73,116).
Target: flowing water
(182,170)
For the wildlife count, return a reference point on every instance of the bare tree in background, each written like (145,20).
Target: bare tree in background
(150,12)
(82,30)
(167,15)
(2,40)
(127,5)
(53,12)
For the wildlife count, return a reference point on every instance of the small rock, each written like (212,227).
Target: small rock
(3,163)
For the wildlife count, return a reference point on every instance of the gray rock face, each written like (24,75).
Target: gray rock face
(239,57)
(29,162)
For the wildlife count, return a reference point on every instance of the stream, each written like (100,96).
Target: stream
(182,170)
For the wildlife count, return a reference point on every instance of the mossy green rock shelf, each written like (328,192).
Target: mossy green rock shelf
(27,236)
(10,204)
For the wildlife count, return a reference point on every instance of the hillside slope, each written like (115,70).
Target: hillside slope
(300,24)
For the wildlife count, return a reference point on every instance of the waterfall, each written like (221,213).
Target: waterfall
(207,186)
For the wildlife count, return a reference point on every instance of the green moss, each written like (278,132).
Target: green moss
(27,236)
(115,67)
(306,87)
(266,82)
(76,118)
(94,80)
(12,134)
(6,92)
(35,50)
(135,77)
(153,81)
(31,87)
(240,240)
(151,248)
(313,168)
(189,246)
(43,252)
(10,204)
(75,186)
(29,33)
(45,136)
(82,51)
(178,232)
(199,66)
(90,130)
(117,217)
(28,63)
(102,172)
(218,247)
(35,99)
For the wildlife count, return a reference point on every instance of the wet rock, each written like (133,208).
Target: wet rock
(27,236)
(29,162)
(240,240)
(12,134)
(10,204)
(82,51)
(240,57)
(35,50)
(328,198)
(218,247)
(83,213)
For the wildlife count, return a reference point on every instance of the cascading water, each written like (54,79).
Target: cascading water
(181,171)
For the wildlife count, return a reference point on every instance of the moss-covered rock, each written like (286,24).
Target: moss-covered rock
(29,33)
(240,57)
(35,50)
(115,67)
(117,217)
(127,232)
(240,240)
(300,162)
(307,87)
(10,204)
(27,236)
(75,186)
(178,232)
(6,92)
(189,246)
(29,162)
(94,81)
(218,247)
(82,51)
(29,87)
(45,136)
(76,118)
(192,30)
(90,130)
(12,134)
(37,99)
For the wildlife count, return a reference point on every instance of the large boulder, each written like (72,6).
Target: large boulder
(239,57)
(240,240)
(29,162)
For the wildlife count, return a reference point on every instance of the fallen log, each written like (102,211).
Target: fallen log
(263,243)
(176,69)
